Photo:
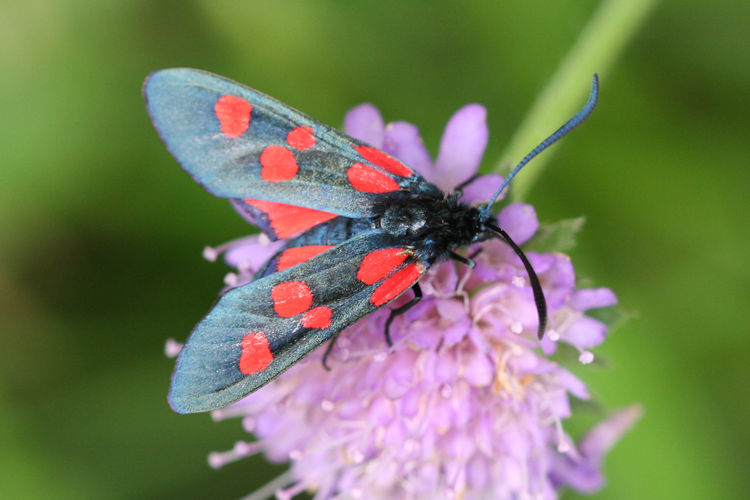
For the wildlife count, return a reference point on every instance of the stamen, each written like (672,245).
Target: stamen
(291,491)
(228,412)
(446,391)
(272,486)
(344,354)
(242,449)
(231,279)
(357,456)
(567,446)
(586,357)
(518,281)
(562,445)
(213,253)
(456,483)
(210,253)
(172,348)
(410,445)
(248,423)
(477,316)
(380,356)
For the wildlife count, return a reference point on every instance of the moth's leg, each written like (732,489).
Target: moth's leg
(401,310)
(467,261)
(465,183)
(473,254)
(329,348)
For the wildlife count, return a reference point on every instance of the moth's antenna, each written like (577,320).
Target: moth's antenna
(536,287)
(559,134)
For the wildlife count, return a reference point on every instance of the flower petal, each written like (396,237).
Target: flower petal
(573,384)
(591,298)
(365,123)
(585,474)
(251,253)
(446,367)
(443,280)
(604,435)
(519,221)
(481,189)
(402,140)
(454,332)
(462,146)
(585,332)
(450,309)
(556,271)
(478,369)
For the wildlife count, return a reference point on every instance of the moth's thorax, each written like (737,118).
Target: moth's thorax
(435,224)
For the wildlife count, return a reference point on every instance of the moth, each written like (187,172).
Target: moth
(360,229)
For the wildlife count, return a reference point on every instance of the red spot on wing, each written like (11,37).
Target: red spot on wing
(378,264)
(293,256)
(256,353)
(291,298)
(234,115)
(288,220)
(396,284)
(278,164)
(319,317)
(301,137)
(370,180)
(387,162)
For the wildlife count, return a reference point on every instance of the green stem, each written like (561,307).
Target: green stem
(597,48)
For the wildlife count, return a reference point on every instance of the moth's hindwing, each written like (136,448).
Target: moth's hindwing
(313,242)
(256,331)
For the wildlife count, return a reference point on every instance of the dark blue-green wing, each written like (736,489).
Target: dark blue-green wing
(256,331)
(244,145)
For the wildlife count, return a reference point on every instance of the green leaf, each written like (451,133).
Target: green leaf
(612,316)
(556,237)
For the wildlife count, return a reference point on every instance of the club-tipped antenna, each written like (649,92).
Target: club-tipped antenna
(536,287)
(559,134)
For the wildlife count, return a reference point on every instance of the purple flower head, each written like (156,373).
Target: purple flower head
(467,403)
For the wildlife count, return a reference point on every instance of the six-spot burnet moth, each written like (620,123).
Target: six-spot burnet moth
(361,228)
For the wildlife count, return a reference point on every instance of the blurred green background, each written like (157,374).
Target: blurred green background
(101,232)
